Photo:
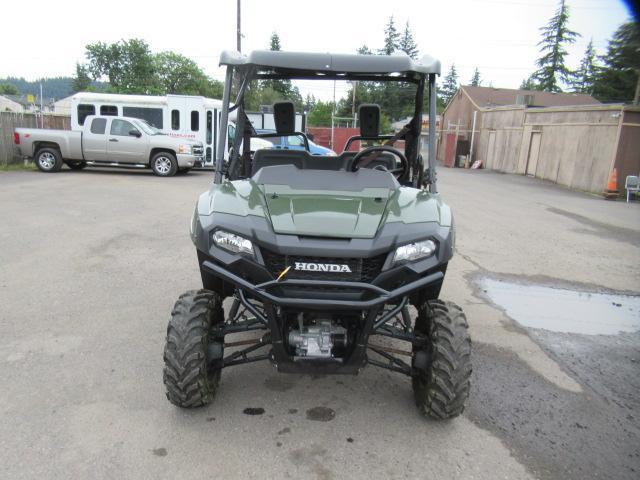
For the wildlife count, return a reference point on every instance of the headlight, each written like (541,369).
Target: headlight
(232,243)
(185,149)
(415,251)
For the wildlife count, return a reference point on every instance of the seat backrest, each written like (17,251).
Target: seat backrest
(631,181)
(386,160)
(270,157)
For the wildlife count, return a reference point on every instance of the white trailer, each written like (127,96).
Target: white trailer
(183,116)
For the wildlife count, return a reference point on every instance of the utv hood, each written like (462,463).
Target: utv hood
(325,203)
(326,213)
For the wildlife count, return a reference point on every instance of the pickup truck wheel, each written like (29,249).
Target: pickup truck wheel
(48,160)
(164,164)
(76,165)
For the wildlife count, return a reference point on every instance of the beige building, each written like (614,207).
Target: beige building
(62,106)
(8,105)
(575,146)
(464,113)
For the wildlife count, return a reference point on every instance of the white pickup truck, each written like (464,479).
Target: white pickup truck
(109,141)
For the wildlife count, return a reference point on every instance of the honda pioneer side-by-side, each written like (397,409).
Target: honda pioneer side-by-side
(323,256)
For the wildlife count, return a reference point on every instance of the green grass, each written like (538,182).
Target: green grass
(12,167)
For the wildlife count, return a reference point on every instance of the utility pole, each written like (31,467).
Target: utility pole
(239,31)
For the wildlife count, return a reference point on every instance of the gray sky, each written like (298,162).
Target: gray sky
(45,38)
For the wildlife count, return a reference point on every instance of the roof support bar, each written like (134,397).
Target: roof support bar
(432,133)
(224,121)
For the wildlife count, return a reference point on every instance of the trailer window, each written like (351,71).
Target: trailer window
(152,115)
(121,127)
(209,126)
(84,110)
(98,125)
(111,110)
(175,119)
(195,120)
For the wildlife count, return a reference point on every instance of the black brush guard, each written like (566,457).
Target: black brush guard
(374,323)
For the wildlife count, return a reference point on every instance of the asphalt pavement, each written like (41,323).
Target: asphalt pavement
(91,263)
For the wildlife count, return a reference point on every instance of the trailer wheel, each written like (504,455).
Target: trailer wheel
(164,164)
(443,367)
(191,369)
(76,165)
(48,160)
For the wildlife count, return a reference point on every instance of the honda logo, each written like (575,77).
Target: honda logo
(322,267)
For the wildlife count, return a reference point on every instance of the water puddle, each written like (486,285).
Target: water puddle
(561,310)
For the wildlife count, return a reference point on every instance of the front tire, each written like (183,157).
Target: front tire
(441,381)
(190,378)
(76,165)
(48,160)
(164,164)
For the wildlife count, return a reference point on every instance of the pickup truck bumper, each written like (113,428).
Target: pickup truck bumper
(187,161)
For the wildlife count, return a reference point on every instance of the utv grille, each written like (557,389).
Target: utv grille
(361,269)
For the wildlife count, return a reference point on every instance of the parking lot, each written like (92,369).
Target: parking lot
(92,262)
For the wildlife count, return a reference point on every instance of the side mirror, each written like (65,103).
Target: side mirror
(135,133)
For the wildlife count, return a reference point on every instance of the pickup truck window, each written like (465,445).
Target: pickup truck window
(98,125)
(175,119)
(84,110)
(151,115)
(109,110)
(195,120)
(121,127)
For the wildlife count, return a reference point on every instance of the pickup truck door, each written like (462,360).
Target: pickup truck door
(94,140)
(126,143)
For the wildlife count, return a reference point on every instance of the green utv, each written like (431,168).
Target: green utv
(322,253)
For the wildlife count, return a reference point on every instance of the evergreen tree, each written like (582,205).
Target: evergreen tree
(450,85)
(529,84)
(585,76)
(551,65)
(274,43)
(475,79)
(391,38)
(364,50)
(619,79)
(407,44)
(82,80)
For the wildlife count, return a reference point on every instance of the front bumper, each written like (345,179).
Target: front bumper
(187,160)
(371,295)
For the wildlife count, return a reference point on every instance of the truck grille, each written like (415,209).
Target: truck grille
(362,269)
(197,150)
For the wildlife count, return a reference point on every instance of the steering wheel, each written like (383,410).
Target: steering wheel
(396,172)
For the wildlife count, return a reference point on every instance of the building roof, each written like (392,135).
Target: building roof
(329,63)
(486,97)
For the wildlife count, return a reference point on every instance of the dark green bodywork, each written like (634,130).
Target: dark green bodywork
(326,213)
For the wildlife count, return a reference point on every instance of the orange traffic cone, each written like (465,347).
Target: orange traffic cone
(612,185)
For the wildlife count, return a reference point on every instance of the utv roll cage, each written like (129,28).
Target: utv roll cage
(241,70)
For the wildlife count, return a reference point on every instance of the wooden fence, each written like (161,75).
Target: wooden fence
(11,120)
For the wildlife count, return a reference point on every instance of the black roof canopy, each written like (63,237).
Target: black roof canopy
(330,65)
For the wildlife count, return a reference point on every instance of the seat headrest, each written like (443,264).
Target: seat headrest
(284,116)
(369,120)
